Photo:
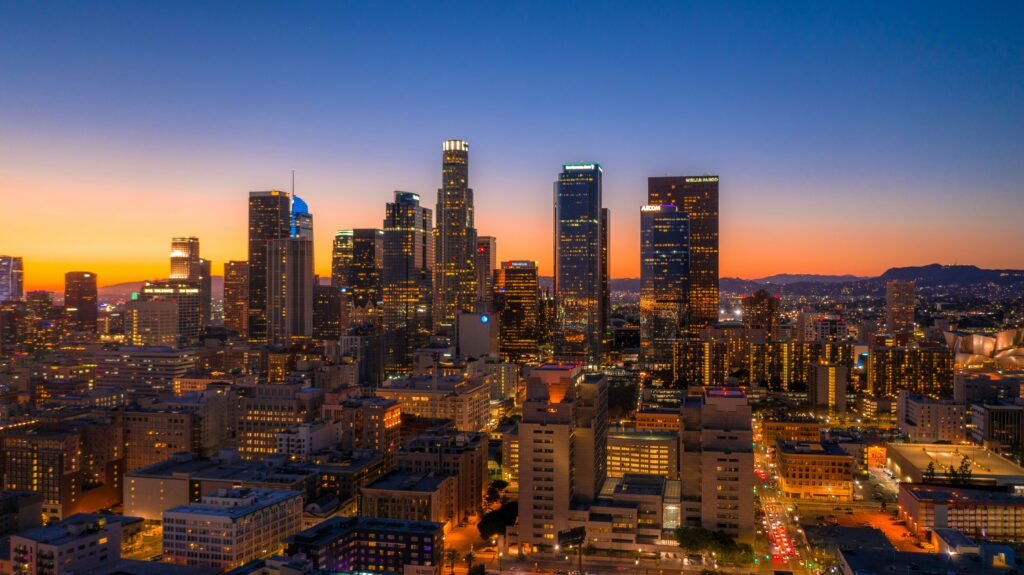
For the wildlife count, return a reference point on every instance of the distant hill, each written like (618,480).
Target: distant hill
(937,274)
(786,279)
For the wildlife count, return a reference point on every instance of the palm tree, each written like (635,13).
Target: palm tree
(451,556)
(469,561)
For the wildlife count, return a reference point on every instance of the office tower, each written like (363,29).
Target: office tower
(186,265)
(579,267)
(357,262)
(236,296)
(11,278)
(185,259)
(269,219)
(289,289)
(205,292)
(407,281)
(697,197)
(826,386)
(899,306)
(264,410)
(486,255)
(924,370)
(455,283)
(761,311)
(80,300)
(717,460)
(476,334)
(151,323)
(664,285)
(186,294)
(459,454)
(516,298)
(326,312)
(606,292)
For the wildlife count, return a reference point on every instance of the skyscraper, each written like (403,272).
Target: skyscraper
(516,298)
(664,285)
(761,311)
(455,282)
(407,281)
(236,296)
(326,312)
(357,263)
(80,300)
(185,259)
(486,256)
(899,306)
(290,279)
(697,197)
(11,278)
(269,219)
(188,297)
(186,265)
(579,268)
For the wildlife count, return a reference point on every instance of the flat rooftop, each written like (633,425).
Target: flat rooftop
(984,463)
(808,448)
(950,494)
(250,501)
(336,527)
(418,482)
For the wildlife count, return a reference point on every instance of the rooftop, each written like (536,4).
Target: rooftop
(804,448)
(336,527)
(984,463)
(950,494)
(418,482)
(236,503)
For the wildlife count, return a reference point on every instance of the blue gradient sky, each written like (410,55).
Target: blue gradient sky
(849,138)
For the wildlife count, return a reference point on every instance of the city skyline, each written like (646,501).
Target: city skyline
(864,148)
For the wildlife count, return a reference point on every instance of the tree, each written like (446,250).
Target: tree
(451,556)
(469,560)
(929,473)
(965,469)
(495,522)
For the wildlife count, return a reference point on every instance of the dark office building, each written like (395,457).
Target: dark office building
(407,281)
(326,312)
(664,285)
(697,197)
(269,219)
(357,264)
(80,300)
(580,270)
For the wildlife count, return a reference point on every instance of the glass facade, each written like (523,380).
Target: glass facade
(664,285)
(455,283)
(580,275)
(269,219)
(408,257)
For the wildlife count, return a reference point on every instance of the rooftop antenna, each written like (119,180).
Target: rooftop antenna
(293,184)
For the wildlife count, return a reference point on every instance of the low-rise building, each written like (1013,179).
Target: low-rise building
(365,544)
(464,401)
(995,514)
(76,544)
(299,441)
(815,471)
(909,463)
(412,497)
(231,527)
(643,451)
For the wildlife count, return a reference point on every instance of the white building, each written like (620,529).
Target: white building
(231,527)
(299,441)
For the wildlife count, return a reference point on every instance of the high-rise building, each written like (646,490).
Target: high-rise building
(899,306)
(664,285)
(579,268)
(407,281)
(516,298)
(562,449)
(761,311)
(80,300)
(186,265)
(187,295)
(151,323)
(718,462)
(269,219)
(357,262)
(326,312)
(11,278)
(185,259)
(486,257)
(455,283)
(289,289)
(826,386)
(698,198)
(236,296)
